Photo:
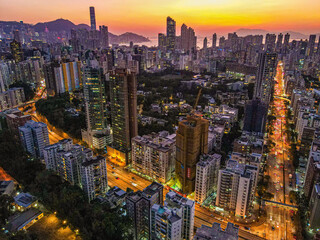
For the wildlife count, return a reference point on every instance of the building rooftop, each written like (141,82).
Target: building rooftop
(216,233)
(24,199)
(22,219)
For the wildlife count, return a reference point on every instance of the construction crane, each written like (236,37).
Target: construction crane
(196,102)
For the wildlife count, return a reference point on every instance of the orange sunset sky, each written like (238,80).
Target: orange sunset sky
(148,17)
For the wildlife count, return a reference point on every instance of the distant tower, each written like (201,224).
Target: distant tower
(93,18)
(205,43)
(104,33)
(171,33)
(279,41)
(214,40)
(286,41)
(16,36)
(311,44)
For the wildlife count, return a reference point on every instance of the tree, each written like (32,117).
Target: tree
(6,208)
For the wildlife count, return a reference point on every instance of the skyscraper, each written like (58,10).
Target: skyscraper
(270,42)
(205,43)
(255,116)
(94,98)
(286,42)
(104,35)
(267,63)
(188,39)
(123,97)
(311,44)
(171,33)
(279,41)
(162,40)
(214,40)
(93,19)
(191,142)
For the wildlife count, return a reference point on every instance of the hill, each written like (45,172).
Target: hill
(58,25)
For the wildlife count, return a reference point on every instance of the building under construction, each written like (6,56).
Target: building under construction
(191,142)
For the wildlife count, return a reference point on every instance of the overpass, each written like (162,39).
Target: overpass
(283,98)
(279,204)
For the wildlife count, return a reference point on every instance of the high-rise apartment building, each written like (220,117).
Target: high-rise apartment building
(185,209)
(236,187)
(154,155)
(314,207)
(62,77)
(139,206)
(93,19)
(34,137)
(77,165)
(171,34)
(11,98)
(267,63)
(123,98)
(50,153)
(94,177)
(207,176)
(191,142)
(312,173)
(165,223)
(255,116)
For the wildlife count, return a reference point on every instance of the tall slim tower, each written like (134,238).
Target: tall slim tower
(267,63)
(214,40)
(171,33)
(94,98)
(279,41)
(93,19)
(286,42)
(123,97)
(205,43)
(311,44)
(191,142)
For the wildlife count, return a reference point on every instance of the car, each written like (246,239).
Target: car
(272,228)
(112,172)
(133,178)
(246,228)
(117,178)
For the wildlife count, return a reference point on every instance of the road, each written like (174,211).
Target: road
(280,166)
(121,177)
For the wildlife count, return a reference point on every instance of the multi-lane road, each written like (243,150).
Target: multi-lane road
(280,167)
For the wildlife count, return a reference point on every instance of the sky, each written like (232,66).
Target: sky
(148,17)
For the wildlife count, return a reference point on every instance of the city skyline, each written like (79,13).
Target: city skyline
(204,16)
